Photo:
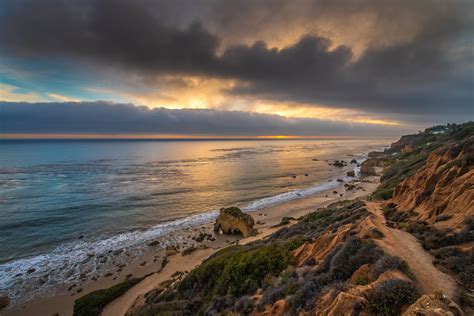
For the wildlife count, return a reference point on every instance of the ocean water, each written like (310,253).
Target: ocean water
(63,202)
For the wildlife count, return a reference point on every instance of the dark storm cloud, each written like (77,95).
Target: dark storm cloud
(116,32)
(427,72)
(104,117)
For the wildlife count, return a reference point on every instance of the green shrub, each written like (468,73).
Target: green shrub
(238,271)
(92,304)
(465,299)
(391,296)
(285,220)
(383,194)
(362,280)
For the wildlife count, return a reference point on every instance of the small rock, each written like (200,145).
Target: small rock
(154,243)
(351,173)
(340,180)
(117,252)
(31,270)
(170,250)
(4,301)
(81,237)
(188,251)
(71,287)
(338,163)
(143,263)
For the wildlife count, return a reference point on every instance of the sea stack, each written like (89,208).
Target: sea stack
(232,220)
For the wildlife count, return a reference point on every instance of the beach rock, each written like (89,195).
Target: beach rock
(340,180)
(353,161)
(367,168)
(232,220)
(4,301)
(31,270)
(338,163)
(171,250)
(314,159)
(349,186)
(188,251)
(351,173)
(201,237)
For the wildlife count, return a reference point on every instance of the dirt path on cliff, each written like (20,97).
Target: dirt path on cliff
(405,246)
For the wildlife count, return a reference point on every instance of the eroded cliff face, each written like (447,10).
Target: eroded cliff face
(444,188)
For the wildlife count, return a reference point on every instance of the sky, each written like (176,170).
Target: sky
(235,68)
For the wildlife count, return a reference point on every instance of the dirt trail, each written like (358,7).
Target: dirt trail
(407,247)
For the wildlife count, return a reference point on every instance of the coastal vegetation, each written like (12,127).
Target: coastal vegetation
(331,261)
(251,278)
(93,303)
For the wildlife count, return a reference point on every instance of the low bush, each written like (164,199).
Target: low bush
(391,296)
(239,271)
(285,220)
(337,266)
(386,263)
(362,280)
(93,303)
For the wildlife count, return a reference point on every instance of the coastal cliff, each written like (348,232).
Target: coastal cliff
(443,188)
(405,250)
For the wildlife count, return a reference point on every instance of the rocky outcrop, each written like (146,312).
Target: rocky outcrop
(232,220)
(434,305)
(444,186)
(368,167)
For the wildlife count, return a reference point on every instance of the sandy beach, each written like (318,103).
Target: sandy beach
(151,263)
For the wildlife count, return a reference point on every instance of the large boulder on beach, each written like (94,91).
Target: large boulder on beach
(367,168)
(232,220)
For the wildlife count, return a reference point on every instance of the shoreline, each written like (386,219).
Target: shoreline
(151,262)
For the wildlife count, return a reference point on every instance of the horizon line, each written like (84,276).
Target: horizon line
(97,136)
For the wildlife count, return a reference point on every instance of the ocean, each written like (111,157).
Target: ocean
(63,201)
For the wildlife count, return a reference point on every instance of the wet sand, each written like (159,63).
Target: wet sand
(151,262)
